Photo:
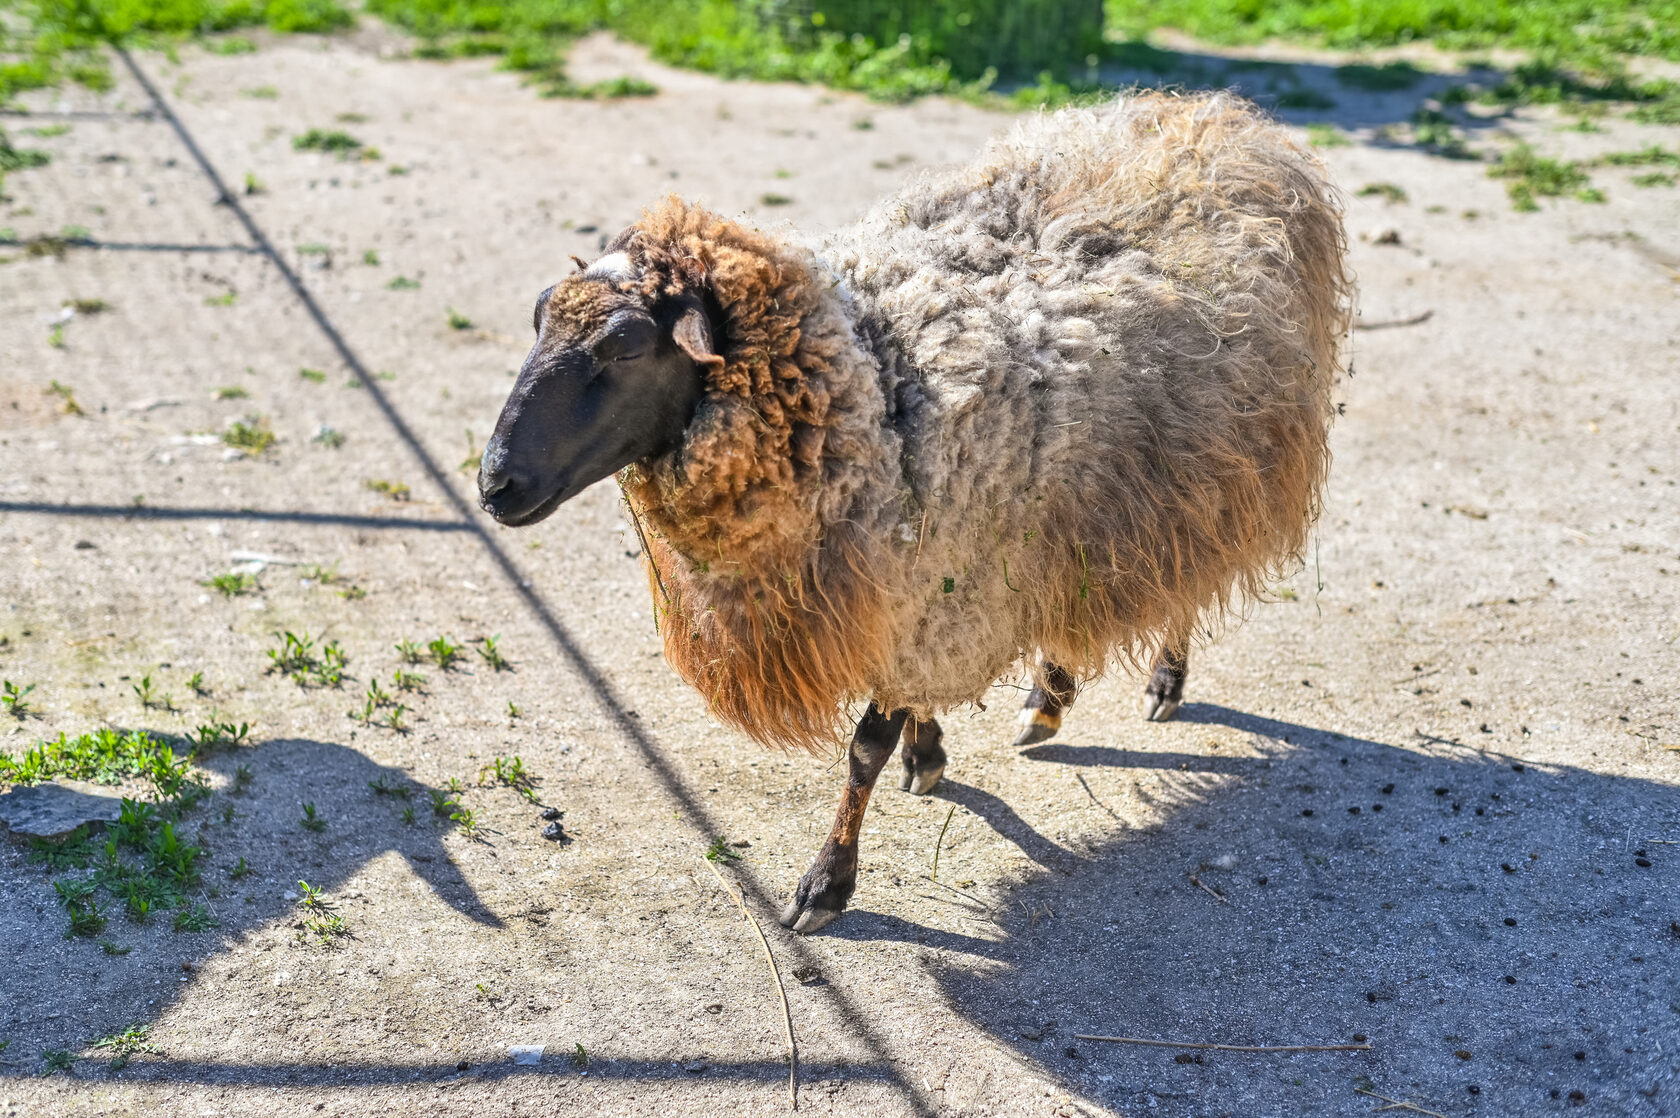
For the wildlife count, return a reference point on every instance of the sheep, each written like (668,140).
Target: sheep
(1066,406)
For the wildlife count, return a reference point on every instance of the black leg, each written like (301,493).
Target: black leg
(1041,717)
(828,884)
(923,757)
(1166,684)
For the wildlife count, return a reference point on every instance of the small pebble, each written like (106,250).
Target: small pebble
(555,832)
(1462,1053)
(1642,862)
(1354,810)
(1388,789)
(1359,1038)
(1376,807)
(551,813)
(1510,921)
(1307,811)
(1507,867)
(1474,1090)
(1441,838)
(1261,880)
(1580,1055)
(1442,791)
(1510,980)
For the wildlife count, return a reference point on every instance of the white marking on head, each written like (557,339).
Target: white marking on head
(614,266)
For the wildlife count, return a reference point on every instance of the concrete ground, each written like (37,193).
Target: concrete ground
(1429,794)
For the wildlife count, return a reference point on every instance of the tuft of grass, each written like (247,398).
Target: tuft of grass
(510,772)
(1321,135)
(254,185)
(332,141)
(492,654)
(314,376)
(198,918)
(395,490)
(408,681)
(219,735)
(403,283)
(1531,176)
(774,200)
(297,658)
(129,1043)
(232,584)
(230,392)
(312,821)
(612,89)
(1652,178)
(1387,191)
(88,306)
(459,321)
(719,851)
(55,1060)
(444,653)
(241,869)
(252,435)
(225,299)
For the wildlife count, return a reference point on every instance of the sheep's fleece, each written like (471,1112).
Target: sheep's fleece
(1072,398)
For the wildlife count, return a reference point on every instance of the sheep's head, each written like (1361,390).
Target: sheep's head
(614,378)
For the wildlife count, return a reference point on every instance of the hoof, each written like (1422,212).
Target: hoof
(803,921)
(1037,726)
(1158,708)
(823,891)
(920,781)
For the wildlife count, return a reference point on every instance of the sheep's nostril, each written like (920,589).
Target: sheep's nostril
(493,484)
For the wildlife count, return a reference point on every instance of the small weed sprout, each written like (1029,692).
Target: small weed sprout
(232,584)
(68,395)
(408,681)
(394,718)
(230,392)
(228,814)
(225,299)
(334,141)
(395,490)
(464,818)
(513,712)
(196,683)
(403,283)
(126,1045)
(371,257)
(580,1058)
(240,869)
(148,699)
(444,654)
(492,654)
(242,777)
(474,459)
(408,814)
(410,652)
(719,851)
(213,735)
(313,376)
(251,435)
(198,918)
(16,698)
(112,948)
(253,185)
(442,802)
(459,321)
(311,821)
(54,1060)
(512,773)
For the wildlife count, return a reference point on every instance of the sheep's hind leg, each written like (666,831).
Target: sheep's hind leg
(1166,684)
(1041,717)
(828,884)
(923,756)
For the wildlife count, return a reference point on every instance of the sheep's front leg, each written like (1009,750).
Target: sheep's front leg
(1166,684)
(828,884)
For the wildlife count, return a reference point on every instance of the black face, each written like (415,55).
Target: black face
(606,384)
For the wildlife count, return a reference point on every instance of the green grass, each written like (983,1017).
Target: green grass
(298,659)
(1574,27)
(16,699)
(232,584)
(129,1043)
(1529,176)
(141,860)
(252,435)
(332,141)
(1387,78)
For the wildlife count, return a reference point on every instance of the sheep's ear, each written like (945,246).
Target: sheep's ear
(693,335)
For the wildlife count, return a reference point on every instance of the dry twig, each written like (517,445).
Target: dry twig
(781,992)
(941,841)
(1218,896)
(1398,1105)
(1391,323)
(1229,1047)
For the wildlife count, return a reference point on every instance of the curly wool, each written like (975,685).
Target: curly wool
(1074,397)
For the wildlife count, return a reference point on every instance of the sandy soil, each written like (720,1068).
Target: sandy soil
(1429,767)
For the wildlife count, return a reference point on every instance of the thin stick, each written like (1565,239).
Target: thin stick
(1389,324)
(1220,897)
(1230,1047)
(1396,1105)
(941,842)
(787,1014)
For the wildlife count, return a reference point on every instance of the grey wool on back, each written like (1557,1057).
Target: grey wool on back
(1074,399)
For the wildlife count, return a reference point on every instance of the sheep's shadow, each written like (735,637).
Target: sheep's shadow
(1503,932)
(60,992)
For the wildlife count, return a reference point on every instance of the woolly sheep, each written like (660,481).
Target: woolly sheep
(1066,405)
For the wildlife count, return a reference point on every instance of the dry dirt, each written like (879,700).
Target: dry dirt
(1477,668)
